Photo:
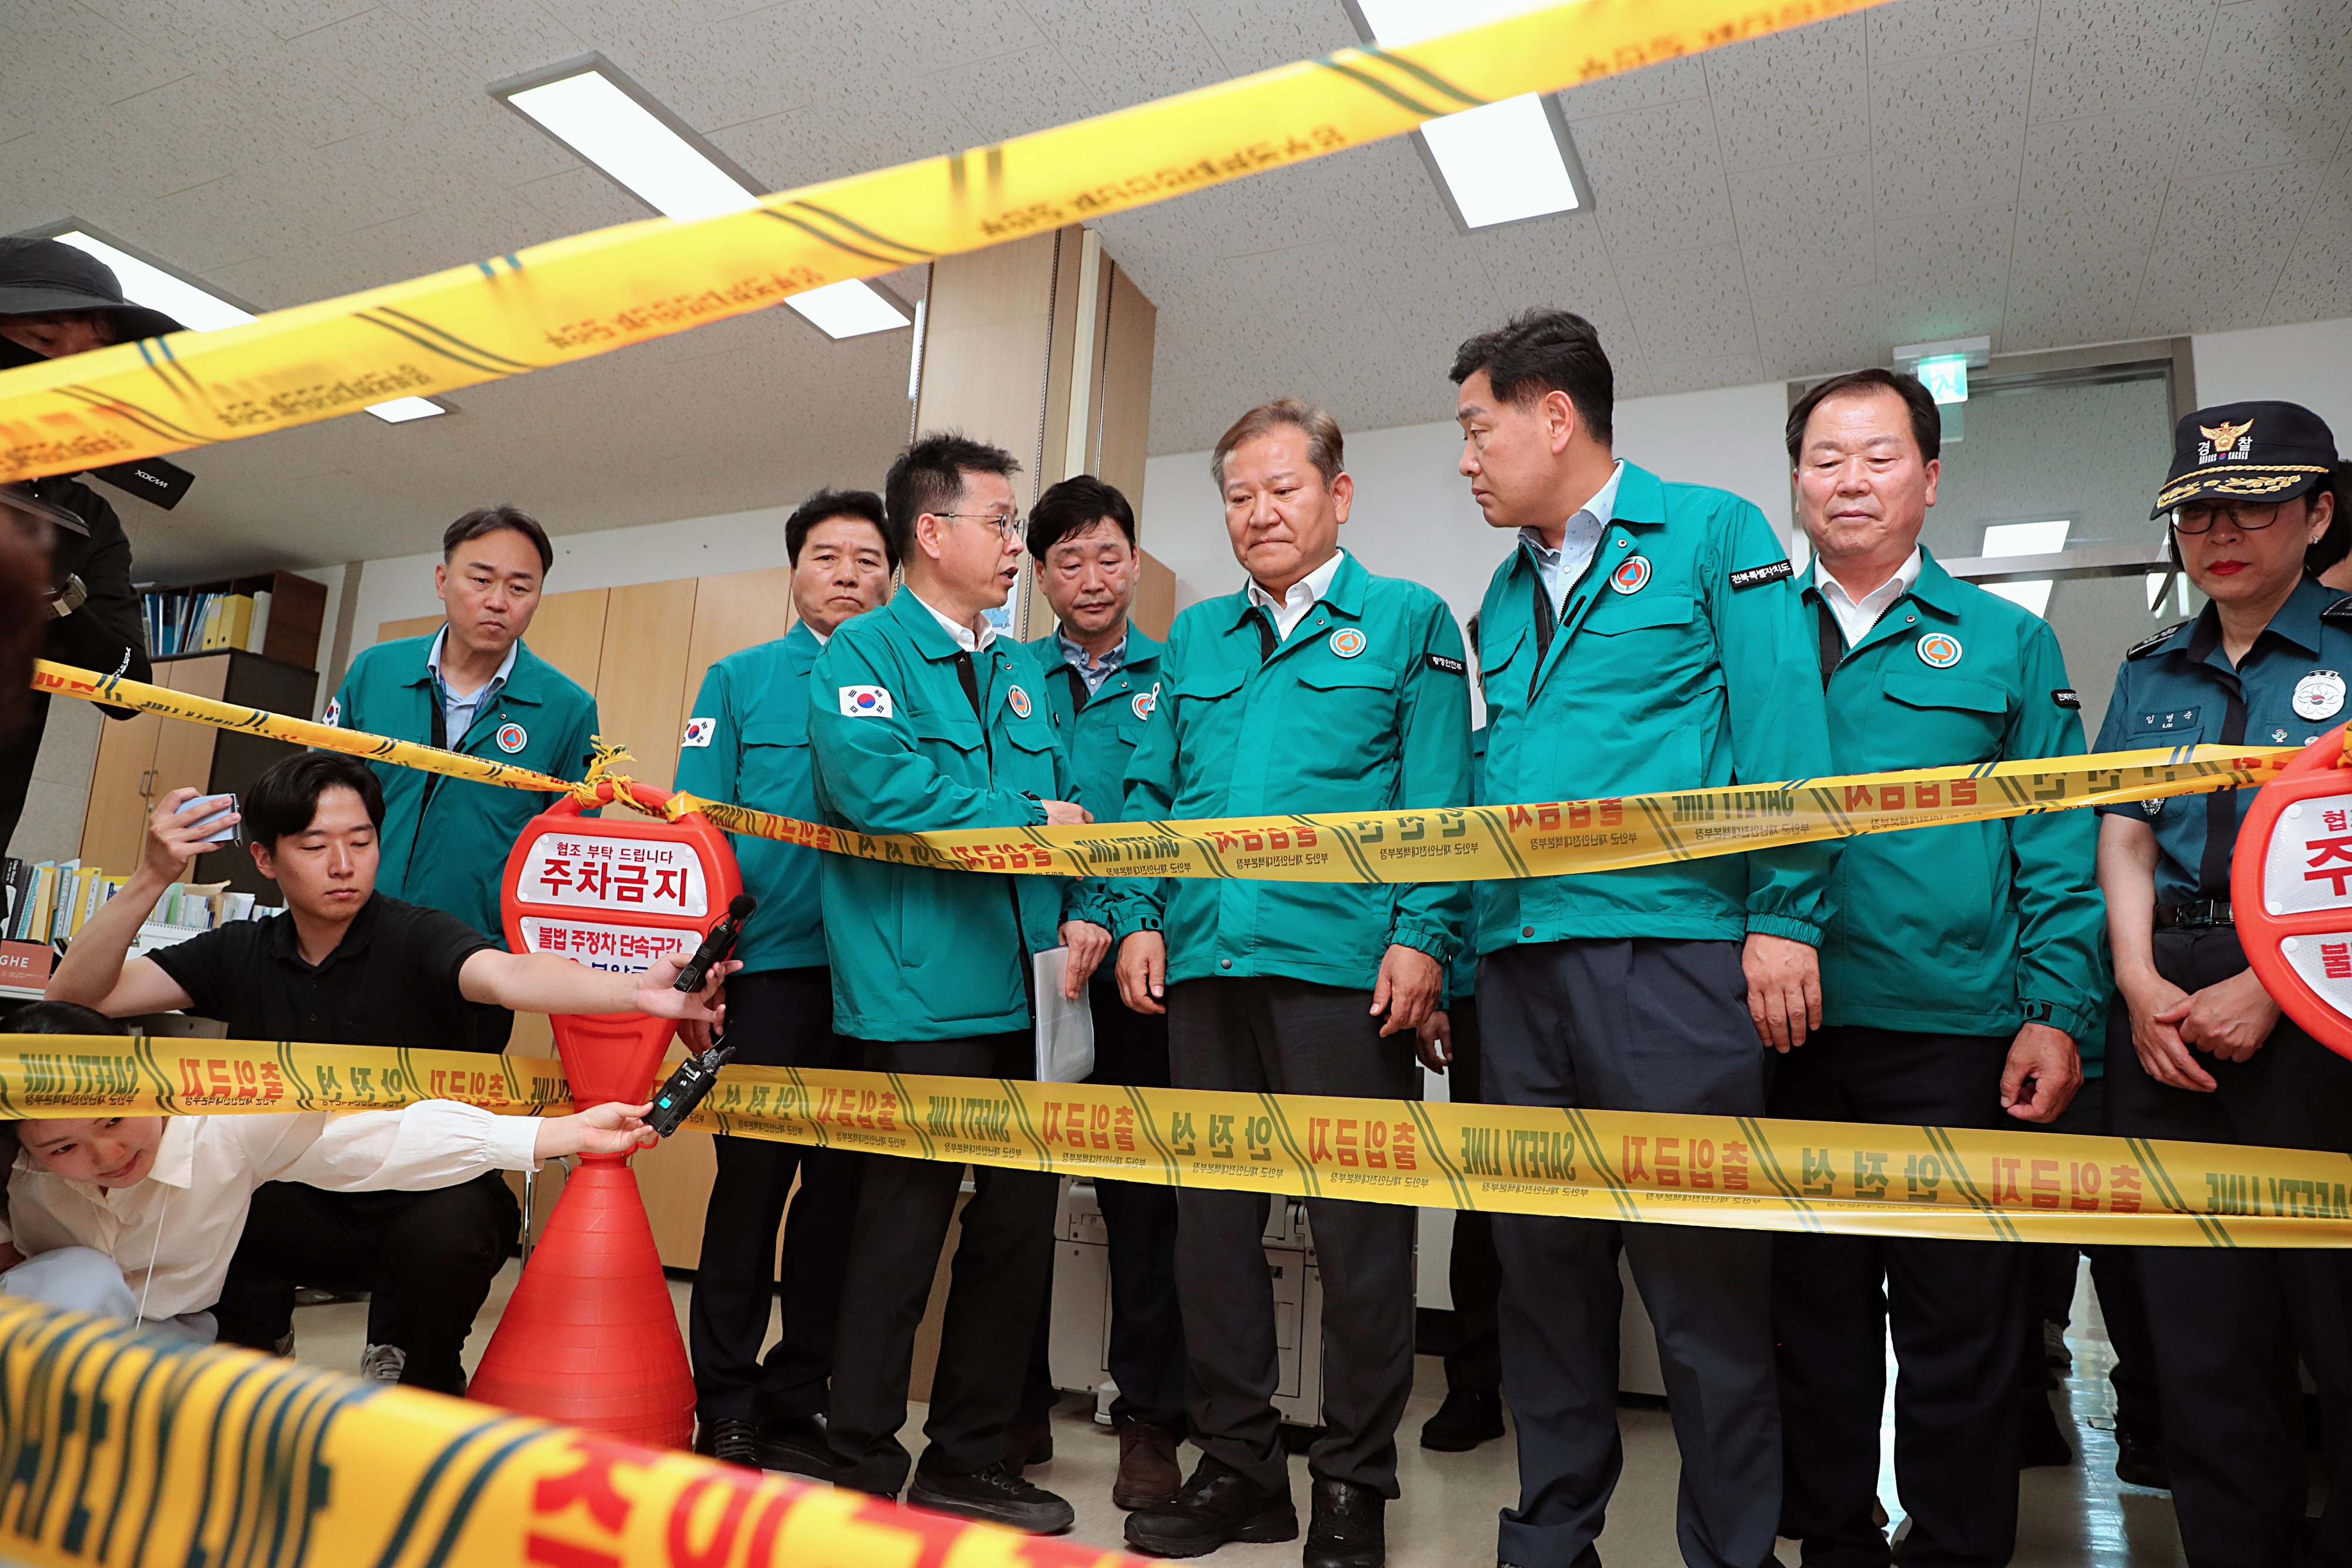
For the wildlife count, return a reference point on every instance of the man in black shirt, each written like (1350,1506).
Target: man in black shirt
(346,966)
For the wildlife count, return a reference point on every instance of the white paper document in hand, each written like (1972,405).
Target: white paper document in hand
(1065,1028)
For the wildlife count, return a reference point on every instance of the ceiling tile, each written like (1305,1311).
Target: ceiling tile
(1657,178)
(1668,82)
(2315,284)
(1566,266)
(1697,375)
(1035,89)
(936,34)
(1137,52)
(1804,226)
(1690,305)
(292,18)
(2276,88)
(1948,131)
(1909,29)
(2116,56)
(1794,96)
(2220,249)
(494,39)
(1258,35)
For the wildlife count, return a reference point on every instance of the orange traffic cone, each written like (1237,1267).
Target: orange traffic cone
(590,1338)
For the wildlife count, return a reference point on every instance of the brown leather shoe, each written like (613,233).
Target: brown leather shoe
(1147,1473)
(1026,1443)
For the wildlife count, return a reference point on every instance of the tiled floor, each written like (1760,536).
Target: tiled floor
(2079,1517)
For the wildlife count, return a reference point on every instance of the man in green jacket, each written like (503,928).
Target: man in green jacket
(1961,968)
(473,687)
(746,742)
(1102,681)
(923,718)
(1318,688)
(1640,636)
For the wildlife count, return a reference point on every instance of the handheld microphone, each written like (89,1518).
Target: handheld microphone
(718,945)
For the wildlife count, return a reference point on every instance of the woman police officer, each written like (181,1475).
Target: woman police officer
(2197,1050)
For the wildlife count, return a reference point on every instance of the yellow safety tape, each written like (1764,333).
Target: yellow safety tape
(120,1449)
(596,292)
(1740,1173)
(1479,843)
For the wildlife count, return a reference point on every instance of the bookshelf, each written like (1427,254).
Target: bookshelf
(232,610)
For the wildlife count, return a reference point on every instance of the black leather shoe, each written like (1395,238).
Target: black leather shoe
(2139,1459)
(796,1445)
(993,1496)
(1468,1419)
(727,1441)
(1347,1531)
(1218,1506)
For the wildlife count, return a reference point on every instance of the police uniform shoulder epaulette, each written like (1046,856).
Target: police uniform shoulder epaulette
(2340,611)
(2146,645)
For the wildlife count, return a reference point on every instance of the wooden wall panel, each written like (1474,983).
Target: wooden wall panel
(114,823)
(1155,599)
(415,626)
(640,684)
(184,752)
(568,632)
(1126,417)
(736,610)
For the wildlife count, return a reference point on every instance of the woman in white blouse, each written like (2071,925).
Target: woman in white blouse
(136,1217)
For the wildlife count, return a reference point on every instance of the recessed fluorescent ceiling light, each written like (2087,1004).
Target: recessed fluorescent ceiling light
(590,112)
(2025,538)
(144,283)
(1501,164)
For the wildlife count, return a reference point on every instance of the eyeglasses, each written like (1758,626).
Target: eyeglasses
(1010,525)
(2200,518)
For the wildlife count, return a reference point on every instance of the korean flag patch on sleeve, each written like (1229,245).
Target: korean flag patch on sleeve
(335,714)
(865,702)
(699,731)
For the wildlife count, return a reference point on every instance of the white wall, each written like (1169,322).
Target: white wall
(2310,364)
(1413,516)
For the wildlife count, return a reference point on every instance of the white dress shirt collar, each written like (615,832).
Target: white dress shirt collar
(1293,606)
(1560,568)
(1855,617)
(965,638)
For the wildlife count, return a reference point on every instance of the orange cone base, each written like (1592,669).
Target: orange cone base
(590,1338)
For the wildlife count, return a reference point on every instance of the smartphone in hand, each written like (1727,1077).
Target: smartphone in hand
(217,807)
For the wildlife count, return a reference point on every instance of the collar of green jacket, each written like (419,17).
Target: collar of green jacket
(528,682)
(931,639)
(1143,662)
(1937,591)
(1346,596)
(2297,621)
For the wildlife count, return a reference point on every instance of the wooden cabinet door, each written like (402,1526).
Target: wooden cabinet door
(121,792)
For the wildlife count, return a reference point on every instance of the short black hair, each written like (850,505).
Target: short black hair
(1926,419)
(1073,506)
(286,796)
(827,504)
(930,475)
(1540,351)
(489,520)
(61,1018)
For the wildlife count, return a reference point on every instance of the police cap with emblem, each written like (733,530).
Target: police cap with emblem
(2262,452)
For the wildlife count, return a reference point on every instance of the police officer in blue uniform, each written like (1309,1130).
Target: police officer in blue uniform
(748,742)
(2197,1050)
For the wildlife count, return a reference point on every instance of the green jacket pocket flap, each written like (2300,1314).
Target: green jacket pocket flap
(1915,688)
(1639,612)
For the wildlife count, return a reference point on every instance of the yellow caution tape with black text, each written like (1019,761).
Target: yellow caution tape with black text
(1740,1172)
(1477,844)
(123,1449)
(566,300)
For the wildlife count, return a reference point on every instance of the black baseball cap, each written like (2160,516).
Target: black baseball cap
(38,275)
(2260,452)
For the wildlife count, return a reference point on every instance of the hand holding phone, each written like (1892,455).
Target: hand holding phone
(219,809)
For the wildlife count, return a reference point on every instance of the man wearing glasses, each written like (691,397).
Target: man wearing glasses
(921,718)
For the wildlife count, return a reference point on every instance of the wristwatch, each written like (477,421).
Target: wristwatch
(65,601)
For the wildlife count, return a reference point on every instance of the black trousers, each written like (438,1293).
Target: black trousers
(998,1283)
(2115,1277)
(2228,1323)
(777,1018)
(1957,1311)
(1473,1275)
(426,1258)
(1642,1025)
(1292,1037)
(1147,1327)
